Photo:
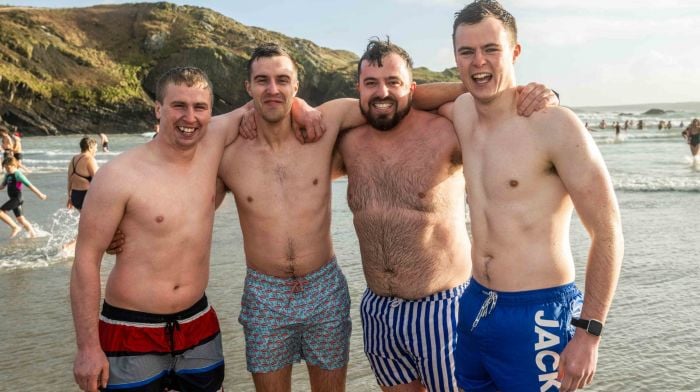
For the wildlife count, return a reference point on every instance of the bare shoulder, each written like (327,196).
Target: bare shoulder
(556,123)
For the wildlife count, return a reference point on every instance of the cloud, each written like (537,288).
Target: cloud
(572,30)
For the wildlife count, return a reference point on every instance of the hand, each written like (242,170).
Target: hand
(248,129)
(42,196)
(577,363)
(115,247)
(311,127)
(535,97)
(91,369)
(69,203)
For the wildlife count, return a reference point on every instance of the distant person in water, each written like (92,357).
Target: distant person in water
(13,181)
(104,140)
(692,136)
(81,169)
(17,150)
(640,124)
(662,124)
(668,124)
(602,124)
(617,129)
(627,125)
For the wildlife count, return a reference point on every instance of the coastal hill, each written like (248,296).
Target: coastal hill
(89,70)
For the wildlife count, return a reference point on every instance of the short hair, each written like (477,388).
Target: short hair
(86,143)
(377,49)
(10,161)
(480,9)
(189,76)
(266,50)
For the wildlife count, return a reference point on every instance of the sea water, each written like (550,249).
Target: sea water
(650,340)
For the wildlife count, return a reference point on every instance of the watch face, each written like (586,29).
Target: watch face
(595,327)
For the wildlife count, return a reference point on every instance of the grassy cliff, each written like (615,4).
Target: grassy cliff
(87,70)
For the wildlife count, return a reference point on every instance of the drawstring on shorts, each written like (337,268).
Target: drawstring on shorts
(486,307)
(170,327)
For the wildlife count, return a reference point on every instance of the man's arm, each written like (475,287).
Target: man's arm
(228,123)
(582,170)
(100,217)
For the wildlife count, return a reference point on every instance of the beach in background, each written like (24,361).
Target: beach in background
(650,342)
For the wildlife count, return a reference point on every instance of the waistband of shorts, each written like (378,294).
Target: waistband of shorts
(439,296)
(548,294)
(331,267)
(134,316)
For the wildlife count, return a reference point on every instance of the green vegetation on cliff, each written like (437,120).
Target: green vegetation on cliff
(79,70)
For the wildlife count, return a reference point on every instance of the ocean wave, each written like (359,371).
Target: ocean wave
(686,185)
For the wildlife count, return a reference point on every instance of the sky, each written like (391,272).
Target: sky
(593,52)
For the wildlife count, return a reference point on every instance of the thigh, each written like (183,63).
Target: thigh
(272,337)
(323,380)
(277,381)
(390,363)
(326,332)
(200,369)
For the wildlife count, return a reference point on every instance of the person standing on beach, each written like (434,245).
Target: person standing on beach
(692,137)
(524,176)
(7,143)
(104,141)
(14,180)
(156,329)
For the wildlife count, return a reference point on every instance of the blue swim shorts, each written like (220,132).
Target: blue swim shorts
(511,341)
(407,340)
(286,320)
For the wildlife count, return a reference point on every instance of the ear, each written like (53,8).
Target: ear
(296,87)
(413,87)
(247,88)
(516,52)
(157,110)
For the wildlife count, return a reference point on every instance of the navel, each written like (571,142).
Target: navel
(160,219)
(250,199)
(421,195)
(513,183)
(315,181)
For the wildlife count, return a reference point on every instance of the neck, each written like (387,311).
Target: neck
(503,105)
(275,134)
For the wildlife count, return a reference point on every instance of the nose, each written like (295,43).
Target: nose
(479,58)
(188,115)
(382,90)
(272,88)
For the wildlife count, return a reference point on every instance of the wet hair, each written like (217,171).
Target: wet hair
(481,9)
(86,143)
(10,161)
(266,50)
(378,49)
(189,76)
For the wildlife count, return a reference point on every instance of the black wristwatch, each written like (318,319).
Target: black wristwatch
(592,326)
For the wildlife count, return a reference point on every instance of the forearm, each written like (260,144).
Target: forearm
(85,303)
(431,96)
(602,274)
(35,190)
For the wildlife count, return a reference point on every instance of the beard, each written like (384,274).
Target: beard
(386,122)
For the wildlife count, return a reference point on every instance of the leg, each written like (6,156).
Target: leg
(15,228)
(277,381)
(27,225)
(327,380)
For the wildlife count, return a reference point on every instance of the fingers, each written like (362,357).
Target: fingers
(531,98)
(298,132)
(248,129)
(104,375)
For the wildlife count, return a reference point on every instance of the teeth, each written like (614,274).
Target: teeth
(481,76)
(186,130)
(382,105)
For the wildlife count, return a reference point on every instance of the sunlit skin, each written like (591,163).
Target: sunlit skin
(524,176)
(184,114)
(385,91)
(485,57)
(273,85)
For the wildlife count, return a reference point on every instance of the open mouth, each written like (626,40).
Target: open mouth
(382,105)
(482,77)
(186,130)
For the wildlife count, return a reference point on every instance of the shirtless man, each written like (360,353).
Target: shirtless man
(156,326)
(524,177)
